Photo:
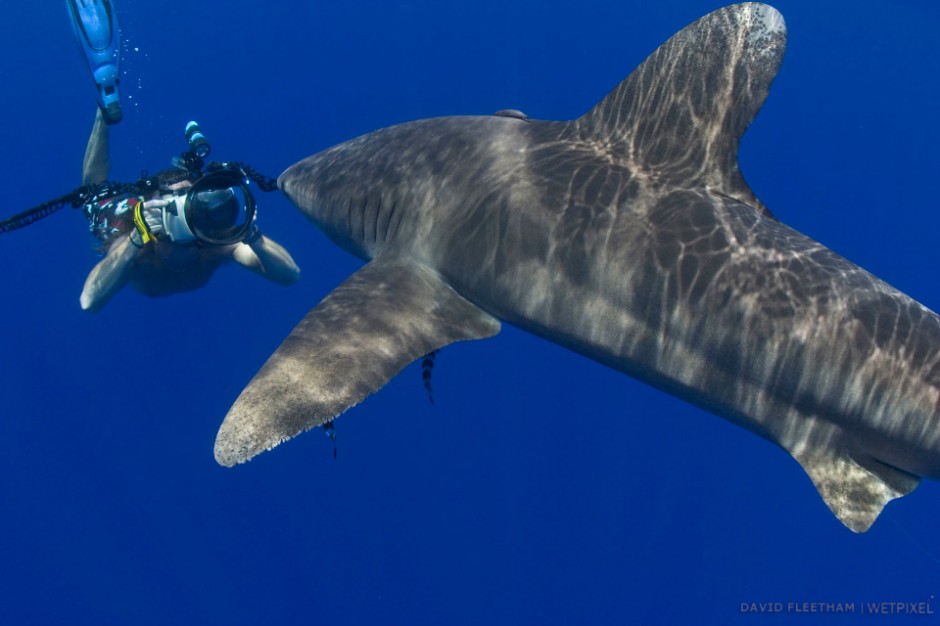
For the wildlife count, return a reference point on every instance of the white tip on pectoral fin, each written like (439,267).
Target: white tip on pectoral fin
(386,315)
(856,493)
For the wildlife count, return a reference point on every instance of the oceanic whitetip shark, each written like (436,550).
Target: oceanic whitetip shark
(627,235)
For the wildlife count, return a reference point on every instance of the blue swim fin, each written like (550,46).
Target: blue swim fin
(96,28)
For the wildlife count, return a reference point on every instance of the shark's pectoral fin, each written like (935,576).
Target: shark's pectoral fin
(386,315)
(855,491)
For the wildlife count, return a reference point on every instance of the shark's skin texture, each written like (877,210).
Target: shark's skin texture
(627,235)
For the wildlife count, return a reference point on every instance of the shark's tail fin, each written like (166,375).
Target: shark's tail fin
(681,114)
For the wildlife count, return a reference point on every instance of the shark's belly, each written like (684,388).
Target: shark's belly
(754,321)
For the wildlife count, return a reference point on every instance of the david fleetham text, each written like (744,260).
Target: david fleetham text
(864,608)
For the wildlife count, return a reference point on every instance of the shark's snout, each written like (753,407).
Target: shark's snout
(299,183)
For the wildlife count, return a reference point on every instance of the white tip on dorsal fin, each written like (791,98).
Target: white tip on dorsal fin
(683,111)
(854,492)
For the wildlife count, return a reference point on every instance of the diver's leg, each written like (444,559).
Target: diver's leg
(96,164)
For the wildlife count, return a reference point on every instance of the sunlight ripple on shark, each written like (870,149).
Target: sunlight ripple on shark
(629,236)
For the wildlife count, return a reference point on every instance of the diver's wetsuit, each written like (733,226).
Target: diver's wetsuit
(109,218)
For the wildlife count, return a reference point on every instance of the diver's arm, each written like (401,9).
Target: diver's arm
(112,272)
(109,276)
(96,165)
(267,258)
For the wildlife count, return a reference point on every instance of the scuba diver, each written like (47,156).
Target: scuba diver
(165,233)
(168,233)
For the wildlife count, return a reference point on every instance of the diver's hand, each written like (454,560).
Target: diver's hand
(152,213)
(149,224)
(254,234)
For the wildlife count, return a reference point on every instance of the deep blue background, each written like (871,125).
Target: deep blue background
(542,488)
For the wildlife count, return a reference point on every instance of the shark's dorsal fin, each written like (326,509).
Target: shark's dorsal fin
(389,313)
(855,490)
(681,114)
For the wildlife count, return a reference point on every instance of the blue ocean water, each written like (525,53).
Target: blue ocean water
(541,488)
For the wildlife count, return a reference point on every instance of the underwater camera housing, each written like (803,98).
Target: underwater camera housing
(218,209)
